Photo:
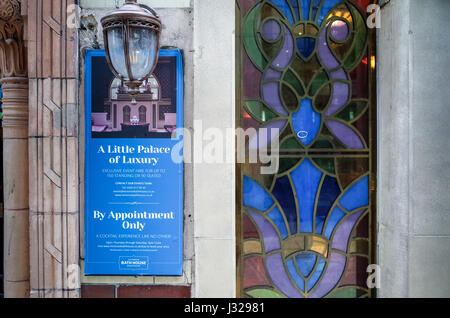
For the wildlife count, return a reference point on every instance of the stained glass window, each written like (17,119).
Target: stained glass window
(306,67)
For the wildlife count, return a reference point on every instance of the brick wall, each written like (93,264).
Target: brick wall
(125,291)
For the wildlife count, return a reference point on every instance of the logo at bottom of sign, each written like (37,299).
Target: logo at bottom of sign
(133,262)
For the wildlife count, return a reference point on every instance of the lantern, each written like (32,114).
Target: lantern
(131,36)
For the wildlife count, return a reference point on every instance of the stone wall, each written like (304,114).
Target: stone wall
(414,163)
(53,149)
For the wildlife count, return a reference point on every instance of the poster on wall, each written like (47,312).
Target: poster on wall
(133,187)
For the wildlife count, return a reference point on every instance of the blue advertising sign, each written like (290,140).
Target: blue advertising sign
(133,188)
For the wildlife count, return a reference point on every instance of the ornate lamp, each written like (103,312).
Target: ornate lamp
(131,35)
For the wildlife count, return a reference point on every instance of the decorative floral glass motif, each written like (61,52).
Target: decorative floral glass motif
(305,69)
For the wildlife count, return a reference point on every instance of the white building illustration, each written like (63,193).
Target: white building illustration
(146,116)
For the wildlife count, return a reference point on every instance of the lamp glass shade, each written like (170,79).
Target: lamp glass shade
(117,52)
(142,51)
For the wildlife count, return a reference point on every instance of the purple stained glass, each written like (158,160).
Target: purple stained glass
(272,74)
(306,199)
(339,75)
(271,30)
(339,30)
(342,235)
(287,51)
(362,126)
(345,134)
(327,58)
(271,95)
(333,273)
(279,276)
(271,239)
(341,92)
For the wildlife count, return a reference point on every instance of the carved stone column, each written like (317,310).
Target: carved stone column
(53,149)
(13,68)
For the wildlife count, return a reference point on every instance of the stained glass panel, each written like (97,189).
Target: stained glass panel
(306,68)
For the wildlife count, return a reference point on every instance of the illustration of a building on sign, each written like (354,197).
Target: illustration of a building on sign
(153,116)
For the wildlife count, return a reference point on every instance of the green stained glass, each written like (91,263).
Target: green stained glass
(319,80)
(271,50)
(250,43)
(305,71)
(259,111)
(264,293)
(347,292)
(322,143)
(290,78)
(355,55)
(287,163)
(327,164)
(326,134)
(291,144)
(353,111)
(322,98)
(289,97)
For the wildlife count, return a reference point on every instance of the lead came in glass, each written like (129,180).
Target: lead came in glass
(305,69)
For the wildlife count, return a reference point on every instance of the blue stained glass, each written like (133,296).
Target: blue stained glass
(333,220)
(306,178)
(305,263)
(326,8)
(306,4)
(329,193)
(315,7)
(357,196)
(294,5)
(282,191)
(277,218)
(284,7)
(299,281)
(306,122)
(316,275)
(255,196)
(306,46)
